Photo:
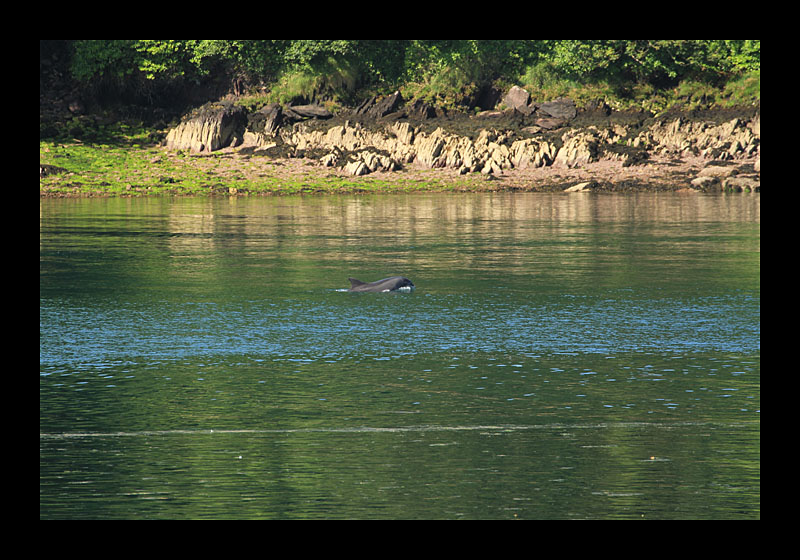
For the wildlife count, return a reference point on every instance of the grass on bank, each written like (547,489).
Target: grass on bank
(138,169)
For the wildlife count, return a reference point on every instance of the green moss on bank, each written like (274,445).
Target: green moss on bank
(136,170)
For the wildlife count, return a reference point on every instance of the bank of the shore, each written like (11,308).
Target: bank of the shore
(589,150)
(151,171)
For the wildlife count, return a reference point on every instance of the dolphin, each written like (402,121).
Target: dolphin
(392,284)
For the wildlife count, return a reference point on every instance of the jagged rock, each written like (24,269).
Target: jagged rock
(212,127)
(429,147)
(389,146)
(404,132)
(263,125)
(730,140)
(380,107)
(356,168)
(531,153)
(332,159)
(368,161)
(378,162)
(579,149)
(273,120)
(345,137)
(491,167)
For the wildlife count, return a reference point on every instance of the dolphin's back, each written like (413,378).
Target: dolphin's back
(391,284)
(355,283)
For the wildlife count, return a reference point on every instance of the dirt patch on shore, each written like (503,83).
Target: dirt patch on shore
(658,174)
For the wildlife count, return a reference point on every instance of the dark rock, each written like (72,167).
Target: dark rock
(47,169)
(273,120)
(560,108)
(420,110)
(310,111)
(638,157)
(490,115)
(597,106)
(266,120)
(526,110)
(361,109)
(267,109)
(377,108)
(549,123)
(396,115)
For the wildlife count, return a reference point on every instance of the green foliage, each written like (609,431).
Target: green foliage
(744,89)
(331,78)
(441,69)
(95,59)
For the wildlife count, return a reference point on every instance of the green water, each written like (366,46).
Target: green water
(562,357)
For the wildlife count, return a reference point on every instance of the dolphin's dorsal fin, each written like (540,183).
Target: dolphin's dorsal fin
(354,282)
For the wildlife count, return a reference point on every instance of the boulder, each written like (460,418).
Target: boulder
(211,127)
(517,98)
(560,109)
(526,110)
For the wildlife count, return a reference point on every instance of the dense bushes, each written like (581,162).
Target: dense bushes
(344,69)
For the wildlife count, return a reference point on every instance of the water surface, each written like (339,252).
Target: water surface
(585,356)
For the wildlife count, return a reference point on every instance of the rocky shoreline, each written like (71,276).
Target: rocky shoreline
(521,145)
(387,144)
